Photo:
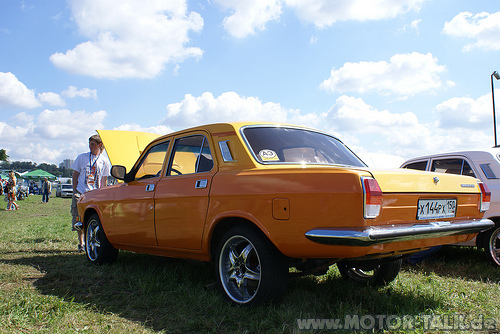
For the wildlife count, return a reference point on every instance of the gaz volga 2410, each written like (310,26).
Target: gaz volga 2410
(256,199)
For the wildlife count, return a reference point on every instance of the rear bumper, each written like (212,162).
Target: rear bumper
(394,233)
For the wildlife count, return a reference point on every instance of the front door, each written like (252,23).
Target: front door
(182,195)
(135,208)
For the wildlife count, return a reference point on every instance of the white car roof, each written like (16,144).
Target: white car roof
(475,155)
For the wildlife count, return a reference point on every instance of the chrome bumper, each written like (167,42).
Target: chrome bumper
(394,233)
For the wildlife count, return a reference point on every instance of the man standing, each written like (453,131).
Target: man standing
(46,190)
(90,171)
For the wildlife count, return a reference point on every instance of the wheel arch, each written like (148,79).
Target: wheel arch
(88,213)
(218,230)
(480,237)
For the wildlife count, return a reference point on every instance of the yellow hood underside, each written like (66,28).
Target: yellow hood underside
(125,147)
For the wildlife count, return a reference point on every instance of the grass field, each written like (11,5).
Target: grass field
(46,286)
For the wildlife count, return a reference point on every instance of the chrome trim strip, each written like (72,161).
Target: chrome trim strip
(394,233)
(225,151)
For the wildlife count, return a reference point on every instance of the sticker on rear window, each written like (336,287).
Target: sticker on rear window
(268,155)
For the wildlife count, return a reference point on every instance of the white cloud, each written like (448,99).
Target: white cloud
(51,136)
(324,13)
(64,124)
(129,39)
(350,113)
(484,28)
(73,92)
(404,74)
(466,112)
(413,26)
(159,129)
(460,123)
(228,106)
(249,16)
(366,129)
(13,93)
(51,98)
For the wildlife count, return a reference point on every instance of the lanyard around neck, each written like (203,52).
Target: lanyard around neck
(93,164)
(95,161)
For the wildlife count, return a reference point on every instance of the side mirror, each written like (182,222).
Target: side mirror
(118,172)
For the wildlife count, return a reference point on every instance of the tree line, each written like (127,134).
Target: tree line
(23,166)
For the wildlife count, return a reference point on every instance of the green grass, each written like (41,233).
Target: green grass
(46,286)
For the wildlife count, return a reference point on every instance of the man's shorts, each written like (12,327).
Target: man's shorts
(74,210)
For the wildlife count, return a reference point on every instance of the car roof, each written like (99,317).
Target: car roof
(480,154)
(125,147)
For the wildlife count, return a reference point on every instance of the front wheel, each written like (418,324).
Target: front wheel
(373,274)
(97,246)
(250,270)
(492,244)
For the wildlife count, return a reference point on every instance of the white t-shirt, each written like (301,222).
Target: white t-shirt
(91,168)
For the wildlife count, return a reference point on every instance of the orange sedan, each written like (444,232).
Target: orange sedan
(257,199)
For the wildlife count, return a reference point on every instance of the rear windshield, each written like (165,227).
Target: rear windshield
(292,145)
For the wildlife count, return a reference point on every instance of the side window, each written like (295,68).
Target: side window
(191,155)
(452,166)
(467,170)
(488,172)
(152,162)
(421,165)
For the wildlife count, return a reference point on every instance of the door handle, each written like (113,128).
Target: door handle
(150,187)
(200,184)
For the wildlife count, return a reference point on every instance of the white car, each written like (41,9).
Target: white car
(483,165)
(64,190)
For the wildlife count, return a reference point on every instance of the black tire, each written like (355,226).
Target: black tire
(376,275)
(97,246)
(491,244)
(249,269)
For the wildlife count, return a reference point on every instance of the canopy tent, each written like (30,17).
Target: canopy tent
(38,174)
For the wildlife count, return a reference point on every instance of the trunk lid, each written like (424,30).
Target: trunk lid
(409,181)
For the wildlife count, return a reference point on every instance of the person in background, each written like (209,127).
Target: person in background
(90,171)
(46,190)
(11,188)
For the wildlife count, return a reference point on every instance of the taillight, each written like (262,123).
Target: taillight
(484,204)
(372,197)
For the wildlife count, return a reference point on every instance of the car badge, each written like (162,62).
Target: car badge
(435,179)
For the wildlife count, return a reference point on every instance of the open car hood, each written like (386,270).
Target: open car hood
(125,147)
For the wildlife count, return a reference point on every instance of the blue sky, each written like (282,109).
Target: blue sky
(388,77)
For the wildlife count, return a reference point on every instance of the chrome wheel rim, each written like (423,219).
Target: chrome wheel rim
(93,243)
(360,273)
(494,246)
(239,269)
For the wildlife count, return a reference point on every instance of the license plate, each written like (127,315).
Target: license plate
(436,208)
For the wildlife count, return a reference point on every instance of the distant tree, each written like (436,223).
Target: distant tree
(24,166)
(3,155)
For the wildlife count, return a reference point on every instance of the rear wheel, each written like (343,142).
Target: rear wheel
(97,246)
(250,270)
(370,273)
(492,244)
